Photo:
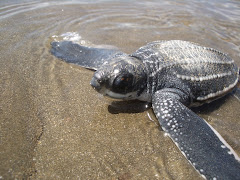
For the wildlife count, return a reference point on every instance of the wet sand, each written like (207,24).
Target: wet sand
(53,125)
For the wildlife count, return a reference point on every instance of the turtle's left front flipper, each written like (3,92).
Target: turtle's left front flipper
(204,148)
(88,57)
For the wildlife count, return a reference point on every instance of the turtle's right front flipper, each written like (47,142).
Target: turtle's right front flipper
(88,57)
(204,148)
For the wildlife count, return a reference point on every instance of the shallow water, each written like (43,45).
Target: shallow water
(53,125)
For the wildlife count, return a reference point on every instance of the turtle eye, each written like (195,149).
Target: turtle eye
(122,83)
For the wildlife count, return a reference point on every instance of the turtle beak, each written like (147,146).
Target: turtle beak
(99,81)
(95,84)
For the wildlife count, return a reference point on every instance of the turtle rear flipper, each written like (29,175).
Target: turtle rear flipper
(88,57)
(204,148)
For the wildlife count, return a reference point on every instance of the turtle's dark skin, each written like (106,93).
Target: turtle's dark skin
(173,75)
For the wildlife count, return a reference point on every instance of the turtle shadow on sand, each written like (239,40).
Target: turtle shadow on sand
(132,106)
(136,106)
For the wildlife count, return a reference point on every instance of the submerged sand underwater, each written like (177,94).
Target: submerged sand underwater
(53,125)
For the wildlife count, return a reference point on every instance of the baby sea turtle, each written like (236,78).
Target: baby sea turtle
(173,75)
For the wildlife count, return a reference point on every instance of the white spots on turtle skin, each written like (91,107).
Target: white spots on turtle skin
(204,78)
(218,93)
(214,178)
(166,134)
(151,66)
(116,71)
(163,117)
(222,146)
(165,111)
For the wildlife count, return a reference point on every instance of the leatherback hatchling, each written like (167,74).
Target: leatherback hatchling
(174,75)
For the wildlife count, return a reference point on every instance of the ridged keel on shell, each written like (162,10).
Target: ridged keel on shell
(208,73)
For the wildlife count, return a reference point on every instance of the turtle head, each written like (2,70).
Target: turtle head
(123,78)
